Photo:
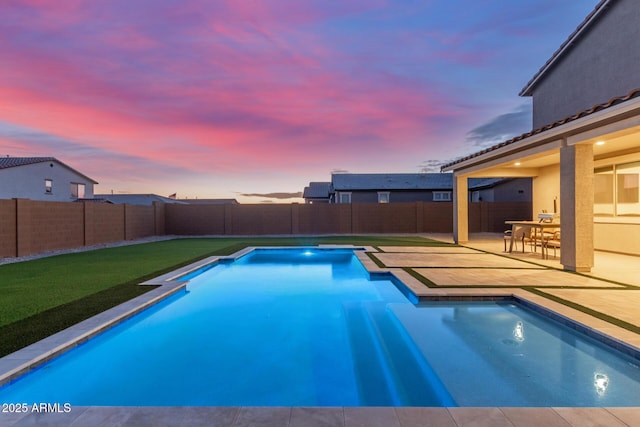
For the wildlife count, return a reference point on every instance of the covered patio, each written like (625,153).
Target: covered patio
(585,169)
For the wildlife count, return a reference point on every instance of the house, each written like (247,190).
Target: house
(412,187)
(584,151)
(42,178)
(317,192)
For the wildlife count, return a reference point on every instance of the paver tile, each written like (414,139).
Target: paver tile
(317,417)
(630,416)
(534,417)
(451,260)
(370,417)
(480,417)
(263,417)
(623,304)
(430,249)
(508,277)
(425,417)
(589,417)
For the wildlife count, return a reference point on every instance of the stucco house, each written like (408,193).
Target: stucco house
(42,178)
(584,150)
(317,192)
(412,187)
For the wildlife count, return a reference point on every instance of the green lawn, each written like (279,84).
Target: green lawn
(44,296)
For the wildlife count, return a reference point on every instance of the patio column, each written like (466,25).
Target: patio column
(576,207)
(460,209)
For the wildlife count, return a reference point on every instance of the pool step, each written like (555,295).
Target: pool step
(372,372)
(386,357)
(416,382)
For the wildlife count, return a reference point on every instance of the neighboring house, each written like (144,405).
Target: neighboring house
(317,192)
(42,178)
(584,151)
(412,187)
(135,199)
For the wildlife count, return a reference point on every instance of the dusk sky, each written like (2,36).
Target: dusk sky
(252,100)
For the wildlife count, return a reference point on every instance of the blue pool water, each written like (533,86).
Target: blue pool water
(308,328)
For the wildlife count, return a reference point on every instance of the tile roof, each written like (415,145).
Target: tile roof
(10,162)
(571,40)
(317,190)
(391,181)
(598,107)
(405,181)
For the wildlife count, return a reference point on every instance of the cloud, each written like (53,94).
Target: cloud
(20,141)
(274,195)
(501,128)
(238,90)
(429,166)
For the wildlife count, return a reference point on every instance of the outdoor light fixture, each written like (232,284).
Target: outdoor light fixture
(600,143)
(517,163)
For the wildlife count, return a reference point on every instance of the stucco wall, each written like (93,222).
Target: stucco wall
(27,182)
(546,188)
(611,48)
(614,237)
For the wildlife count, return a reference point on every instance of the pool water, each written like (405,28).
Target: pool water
(292,327)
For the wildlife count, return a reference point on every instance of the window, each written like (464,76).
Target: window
(617,190)
(442,196)
(383,197)
(627,189)
(77,190)
(344,197)
(603,191)
(48,186)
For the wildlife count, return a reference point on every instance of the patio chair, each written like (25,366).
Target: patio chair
(551,242)
(522,234)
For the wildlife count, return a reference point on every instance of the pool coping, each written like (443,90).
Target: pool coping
(31,357)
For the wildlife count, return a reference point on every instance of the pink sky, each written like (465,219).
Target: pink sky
(217,99)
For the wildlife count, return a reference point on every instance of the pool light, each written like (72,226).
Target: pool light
(600,382)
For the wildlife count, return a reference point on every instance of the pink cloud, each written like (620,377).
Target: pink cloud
(236,85)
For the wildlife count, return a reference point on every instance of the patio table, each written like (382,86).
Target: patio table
(529,224)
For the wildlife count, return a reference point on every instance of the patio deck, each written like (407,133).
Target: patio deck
(607,300)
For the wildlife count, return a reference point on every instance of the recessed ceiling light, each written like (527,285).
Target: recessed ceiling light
(517,163)
(600,143)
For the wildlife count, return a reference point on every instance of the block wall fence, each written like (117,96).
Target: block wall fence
(28,227)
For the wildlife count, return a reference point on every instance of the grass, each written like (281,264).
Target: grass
(46,295)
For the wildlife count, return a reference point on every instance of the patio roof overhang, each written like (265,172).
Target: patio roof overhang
(618,126)
(563,157)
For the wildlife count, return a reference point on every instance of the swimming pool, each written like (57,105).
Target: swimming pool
(307,327)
